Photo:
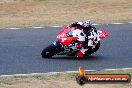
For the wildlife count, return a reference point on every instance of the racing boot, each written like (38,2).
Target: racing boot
(80,54)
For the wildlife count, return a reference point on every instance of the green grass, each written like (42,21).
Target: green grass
(9,80)
(112,72)
(42,80)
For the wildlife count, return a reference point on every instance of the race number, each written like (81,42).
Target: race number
(63,39)
(61,35)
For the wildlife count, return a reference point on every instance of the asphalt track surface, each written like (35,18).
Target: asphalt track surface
(20,51)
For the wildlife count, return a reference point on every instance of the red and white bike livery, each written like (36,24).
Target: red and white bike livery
(66,42)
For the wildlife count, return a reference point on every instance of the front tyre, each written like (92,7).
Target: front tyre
(49,51)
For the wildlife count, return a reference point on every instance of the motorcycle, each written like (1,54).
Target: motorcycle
(66,41)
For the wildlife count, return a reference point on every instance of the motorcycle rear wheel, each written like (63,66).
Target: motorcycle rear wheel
(96,47)
(91,51)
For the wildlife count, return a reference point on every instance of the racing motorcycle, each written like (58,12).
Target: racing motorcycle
(66,41)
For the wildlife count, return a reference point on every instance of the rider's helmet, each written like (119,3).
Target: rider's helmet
(87,23)
(87,26)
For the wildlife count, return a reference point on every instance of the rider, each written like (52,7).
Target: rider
(90,40)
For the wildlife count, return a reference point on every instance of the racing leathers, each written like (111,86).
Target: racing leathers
(91,39)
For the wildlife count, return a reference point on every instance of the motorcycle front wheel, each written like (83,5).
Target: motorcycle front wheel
(49,51)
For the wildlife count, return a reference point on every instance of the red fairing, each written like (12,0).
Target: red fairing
(102,34)
(63,38)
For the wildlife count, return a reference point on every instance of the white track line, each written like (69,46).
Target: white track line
(129,22)
(12,28)
(56,26)
(127,68)
(36,27)
(117,23)
(52,73)
(95,24)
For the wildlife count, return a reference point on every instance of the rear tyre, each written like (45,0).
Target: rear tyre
(96,47)
(72,54)
(91,51)
(49,51)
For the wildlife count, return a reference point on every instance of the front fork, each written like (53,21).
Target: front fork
(58,46)
(63,50)
(56,43)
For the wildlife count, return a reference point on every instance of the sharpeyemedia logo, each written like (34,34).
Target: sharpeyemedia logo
(83,78)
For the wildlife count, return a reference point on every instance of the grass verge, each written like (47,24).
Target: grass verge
(25,13)
(62,80)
